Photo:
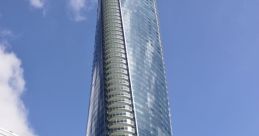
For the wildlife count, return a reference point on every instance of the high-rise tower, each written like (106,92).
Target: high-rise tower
(129,94)
(4,132)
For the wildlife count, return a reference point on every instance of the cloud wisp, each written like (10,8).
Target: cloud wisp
(13,114)
(78,8)
(6,33)
(39,4)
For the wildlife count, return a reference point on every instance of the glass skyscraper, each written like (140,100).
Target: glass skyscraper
(128,91)
(4,132)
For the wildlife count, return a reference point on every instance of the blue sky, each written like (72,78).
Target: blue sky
(211,50)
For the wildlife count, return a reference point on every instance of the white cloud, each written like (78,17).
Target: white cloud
(13,114)
(39,4)
(78,8)
(5,33)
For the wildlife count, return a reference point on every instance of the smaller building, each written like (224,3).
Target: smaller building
(4,132)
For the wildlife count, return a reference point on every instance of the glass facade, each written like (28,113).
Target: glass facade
(4,132)
(129,95)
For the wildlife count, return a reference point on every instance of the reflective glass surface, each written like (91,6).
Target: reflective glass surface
(146,68)
(128,92)
(97,114)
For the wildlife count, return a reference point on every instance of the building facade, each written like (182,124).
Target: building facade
(128,91)
(4,132)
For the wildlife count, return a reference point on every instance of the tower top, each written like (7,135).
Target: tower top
(4,132)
